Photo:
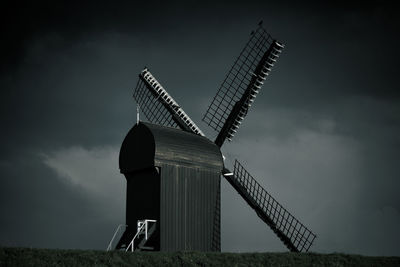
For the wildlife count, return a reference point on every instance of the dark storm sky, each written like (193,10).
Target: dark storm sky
(323,136)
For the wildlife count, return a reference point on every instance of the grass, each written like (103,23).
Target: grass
(49,257)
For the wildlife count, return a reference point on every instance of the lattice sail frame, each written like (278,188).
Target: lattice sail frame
(291,231)
(150,107)
(159,107)
(242,84)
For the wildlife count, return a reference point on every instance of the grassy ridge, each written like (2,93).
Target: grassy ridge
(48,257)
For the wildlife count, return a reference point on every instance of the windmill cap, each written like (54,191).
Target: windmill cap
(147,145)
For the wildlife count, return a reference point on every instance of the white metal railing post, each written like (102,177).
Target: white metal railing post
(109,247)
(145,233)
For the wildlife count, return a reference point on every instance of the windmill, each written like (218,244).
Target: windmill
(171,129)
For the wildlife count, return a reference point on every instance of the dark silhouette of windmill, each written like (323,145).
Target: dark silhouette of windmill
(173,171)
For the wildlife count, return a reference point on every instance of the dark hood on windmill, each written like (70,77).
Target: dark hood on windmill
(147,145)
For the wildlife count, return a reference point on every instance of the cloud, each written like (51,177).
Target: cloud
(95,170)
(44,209)
(309,168)
(377,231)
(325,144)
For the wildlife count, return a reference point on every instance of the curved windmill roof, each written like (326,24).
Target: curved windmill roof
(147,145)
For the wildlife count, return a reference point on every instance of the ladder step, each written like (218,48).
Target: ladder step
(146,248)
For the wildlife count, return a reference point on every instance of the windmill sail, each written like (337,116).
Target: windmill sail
(159,107)
(242,84)
(293,233)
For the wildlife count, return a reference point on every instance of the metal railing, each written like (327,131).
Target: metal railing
(142,228)
(115,234)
